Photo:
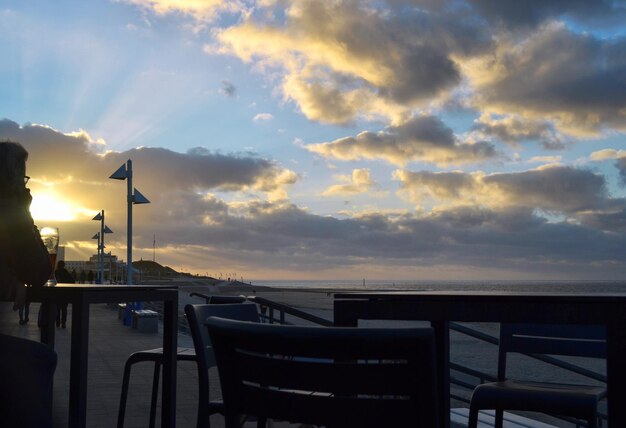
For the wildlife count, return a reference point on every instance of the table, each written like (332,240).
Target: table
(81,296)
(441,307)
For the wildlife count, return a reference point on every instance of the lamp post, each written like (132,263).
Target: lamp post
(133,196)
(125,172)
(100,236)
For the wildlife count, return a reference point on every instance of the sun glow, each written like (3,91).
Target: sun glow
(50,207)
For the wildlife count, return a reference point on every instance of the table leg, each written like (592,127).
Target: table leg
(78,364)
(46,318)
(442,348)
(170,330)
(616,371)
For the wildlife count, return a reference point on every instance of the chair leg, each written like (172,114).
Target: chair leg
(473,418)
(499,418)
(155,393)
(124,396)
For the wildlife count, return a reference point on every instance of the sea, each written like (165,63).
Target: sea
(565,286)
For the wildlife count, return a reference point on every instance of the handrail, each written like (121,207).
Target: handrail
(544,358)
(485,377)
(286,309)
(202,296)
(280,307)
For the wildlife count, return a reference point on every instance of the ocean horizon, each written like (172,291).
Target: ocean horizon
(586,286)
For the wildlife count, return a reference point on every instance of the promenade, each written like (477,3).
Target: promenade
(110,344)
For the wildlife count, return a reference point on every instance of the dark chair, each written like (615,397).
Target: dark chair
(335,377)
(576,401)
(26,378)
(196,315)
(247,312)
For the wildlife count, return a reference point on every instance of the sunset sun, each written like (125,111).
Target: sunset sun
(50,207)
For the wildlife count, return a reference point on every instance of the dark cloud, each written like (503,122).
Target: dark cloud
(560,189)
(516,239)
(514,129)
(529,13)
(228,89)
(563,190)
(621,166)
(423,138)
(576,81)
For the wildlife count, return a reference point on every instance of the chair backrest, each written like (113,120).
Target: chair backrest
(205,358)
(221,300)
(197,314)
(551,339)
(340,377)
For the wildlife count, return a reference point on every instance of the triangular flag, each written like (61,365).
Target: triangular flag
(107,230)
(120,174)
(138,198)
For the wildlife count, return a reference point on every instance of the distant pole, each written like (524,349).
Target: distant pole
(129,226)
(101,260)
(153,248)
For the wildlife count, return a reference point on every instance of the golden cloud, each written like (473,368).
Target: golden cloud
(359,182)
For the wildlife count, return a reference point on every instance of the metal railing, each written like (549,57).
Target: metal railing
(268,309)
(486,377)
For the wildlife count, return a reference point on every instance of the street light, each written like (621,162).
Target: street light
(125,172)
(104,229)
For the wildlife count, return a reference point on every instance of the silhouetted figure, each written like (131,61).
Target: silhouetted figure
(26,367)
(23,312)
(83,276)
(90,277)
(62,276)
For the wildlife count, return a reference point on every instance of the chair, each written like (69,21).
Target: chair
(196,314)
(336,377)
(577,401)
(26,379)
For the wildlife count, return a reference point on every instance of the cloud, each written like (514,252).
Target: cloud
(574,81)
(462,238)
(228,89)
(198,228)
(545,159)
(359,182)
(201,10)
(529,14)
(514,129)
(65,165)
(423,138)
(605,154)
(618,155)
(345,59)
(262,117)
(555,189)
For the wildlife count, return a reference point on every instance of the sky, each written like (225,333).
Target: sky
(337,139)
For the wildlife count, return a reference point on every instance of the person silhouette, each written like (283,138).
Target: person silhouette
(26,367)
(24,311)
(62,276)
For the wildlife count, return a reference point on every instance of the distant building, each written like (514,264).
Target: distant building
(113,268)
